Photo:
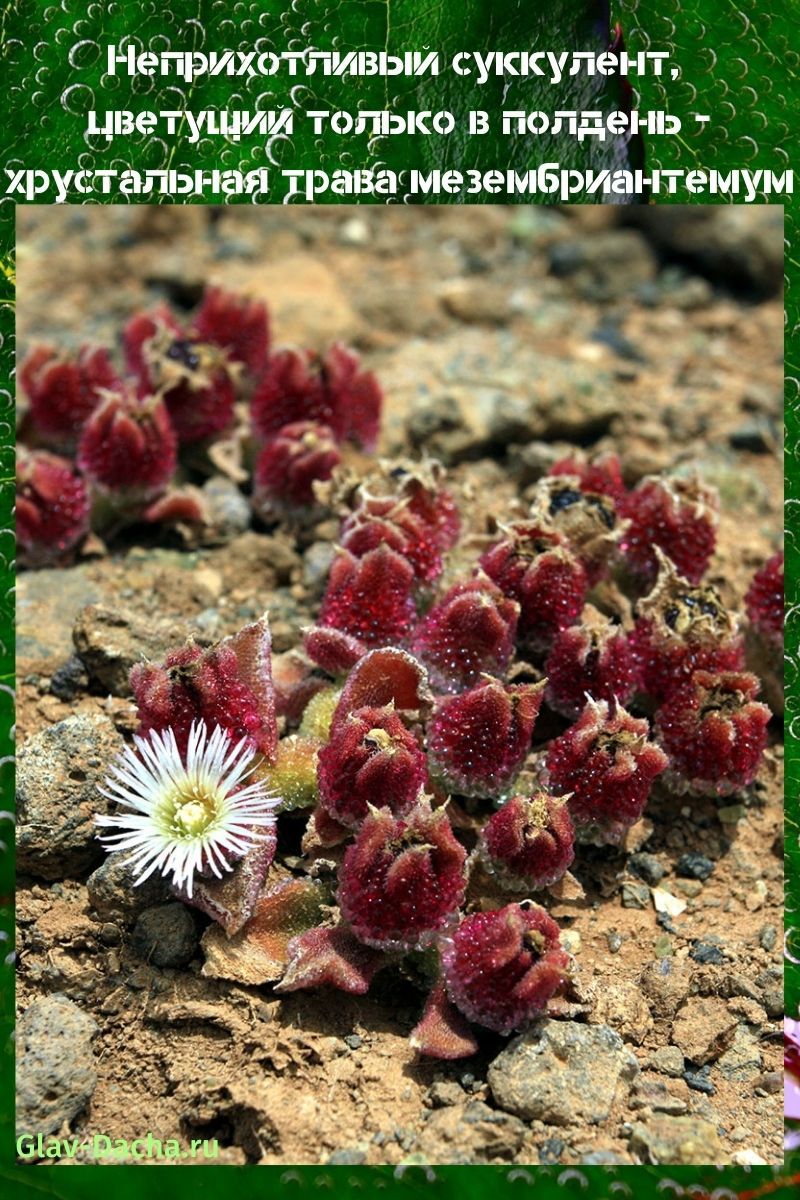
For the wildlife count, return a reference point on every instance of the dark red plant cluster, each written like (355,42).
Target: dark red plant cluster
(448,727)
(105,446)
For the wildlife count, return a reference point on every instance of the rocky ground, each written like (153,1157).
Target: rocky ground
(502,337)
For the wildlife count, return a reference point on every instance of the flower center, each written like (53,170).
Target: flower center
(194,808)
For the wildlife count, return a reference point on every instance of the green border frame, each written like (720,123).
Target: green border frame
(739,64)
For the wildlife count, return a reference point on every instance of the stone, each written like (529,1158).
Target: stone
(228,510)
(704,1028)
(732,247)
(604,266)
(656,1095)
(743,1060)
(706,952)
(113,893)
(109,641)
(562,1072)
(667,1060)
(647,867)
(767,937)
(698,1080)
(635,895)
(444,1093)
(55,1069)
(622,1007)
(676,1140)
(47,603)
(166,935)
(469,1133)
(665,984)
(694,866)
(59,771)
(69,679)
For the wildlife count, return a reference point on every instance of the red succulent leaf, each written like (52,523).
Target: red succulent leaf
(63,392)
(388,676)
(229,685)
(529,842)
(332,649)
(678,516)
(479,740)
(295,683)
(593,658)
(330,956)
(535,566)
(442,1032)
(468,633)
(259,952)
(128,445)
(185,505)
(370,598)
(764,600)
(355,394)
(286,469)
(601,475)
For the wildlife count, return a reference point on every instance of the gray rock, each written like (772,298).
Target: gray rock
(668,1060)
(685,1140)
(635,895)
(59,771)
(55,1070)
(228,510)
(734,244)
(109,641)
(604,266)
(166,936)
(743,1059)
(316,564)
(647,867)
(112,891)
(347,1158)
(562,1072)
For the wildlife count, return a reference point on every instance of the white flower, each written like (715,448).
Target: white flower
(185,815)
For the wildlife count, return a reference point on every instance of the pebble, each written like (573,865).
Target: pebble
(698,1080)
(112,892)
(681,1140)
(732,814)
(354,1041)
(743,1061)
(166,936)
(635,895)
(444,1093)
(571,941)
(228,510)
(662,947)
(767,937)
(562,1072)
(55,1068)
(551,1150)
(668,1060)
(706,952)
(694,866)
(347,1158)
(69,679)
(623,1008)
(647,867)
(614,941)
(59,771)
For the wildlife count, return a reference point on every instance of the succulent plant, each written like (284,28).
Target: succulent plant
(714,731)
(501,967)
(605,763)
